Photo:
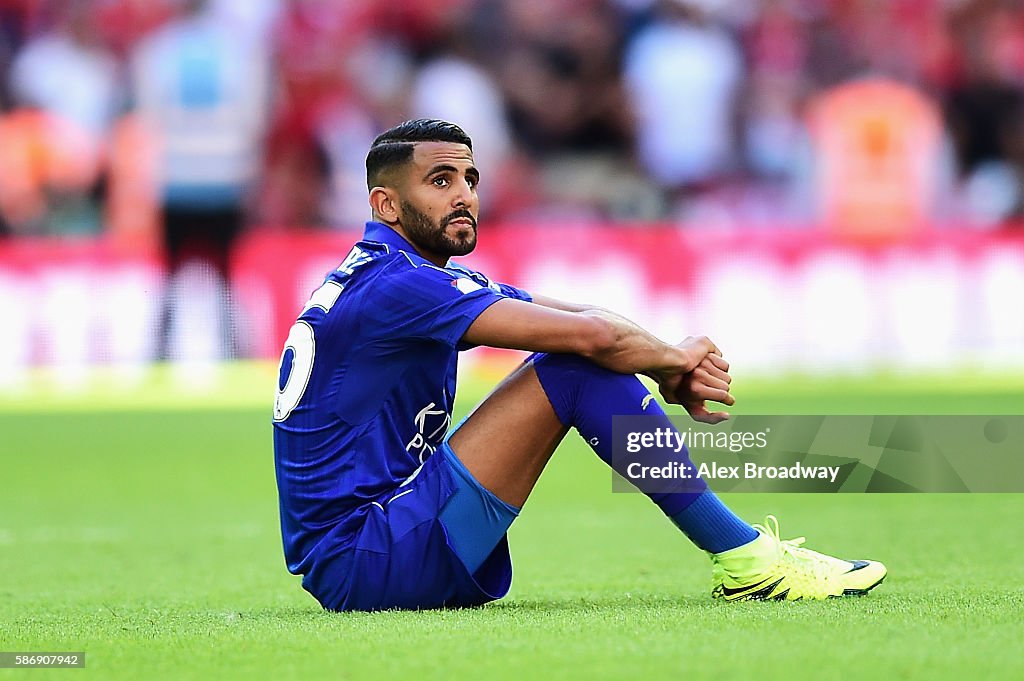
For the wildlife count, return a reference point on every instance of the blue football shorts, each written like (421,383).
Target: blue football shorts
(438,540)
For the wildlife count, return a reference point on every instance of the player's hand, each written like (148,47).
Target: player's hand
(696,349)
(683,384)
(709,381)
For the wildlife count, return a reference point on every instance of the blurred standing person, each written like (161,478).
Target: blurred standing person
(559,68)
(16,17)
(310,176)
(683,74)
(451,85)
(202,89)
(777,45)
(984,111)
(65,91)
(69,73)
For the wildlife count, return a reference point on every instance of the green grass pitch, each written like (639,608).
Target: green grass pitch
(148,538)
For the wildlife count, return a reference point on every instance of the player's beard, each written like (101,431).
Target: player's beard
(433,238)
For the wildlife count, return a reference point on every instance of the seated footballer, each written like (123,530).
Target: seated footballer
(383,505)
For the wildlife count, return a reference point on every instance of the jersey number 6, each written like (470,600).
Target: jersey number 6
(302,346)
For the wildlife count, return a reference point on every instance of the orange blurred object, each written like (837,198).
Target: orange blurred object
(877,159)
(41,153)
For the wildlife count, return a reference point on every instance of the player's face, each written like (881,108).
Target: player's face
(439,205)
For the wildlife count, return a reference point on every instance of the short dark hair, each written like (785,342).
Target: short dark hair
(394,147)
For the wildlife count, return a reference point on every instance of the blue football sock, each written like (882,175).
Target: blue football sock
(586,396)
(712,526)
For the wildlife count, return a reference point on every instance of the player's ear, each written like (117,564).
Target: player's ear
(384,202)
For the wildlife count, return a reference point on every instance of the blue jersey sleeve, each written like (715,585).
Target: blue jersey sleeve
(513,292)
(505,289)
(430,302)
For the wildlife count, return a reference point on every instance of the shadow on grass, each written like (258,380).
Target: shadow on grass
(651,605)
(888,602)
(496,610)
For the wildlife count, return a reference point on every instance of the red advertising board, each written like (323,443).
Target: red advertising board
(782,299)
(775,295)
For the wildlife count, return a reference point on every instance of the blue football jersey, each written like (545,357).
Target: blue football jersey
(367,384)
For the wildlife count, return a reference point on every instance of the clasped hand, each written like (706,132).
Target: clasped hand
(707,380)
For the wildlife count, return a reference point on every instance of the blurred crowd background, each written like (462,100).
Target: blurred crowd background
(843,176)
(133,114)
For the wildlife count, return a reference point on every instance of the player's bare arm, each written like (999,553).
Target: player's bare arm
(709,381)
(688,374)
